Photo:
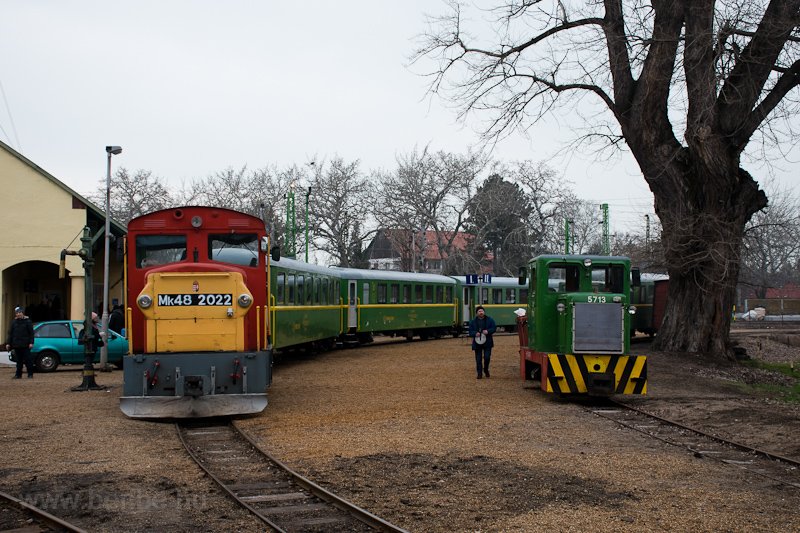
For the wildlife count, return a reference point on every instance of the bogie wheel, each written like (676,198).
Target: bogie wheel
(46,361)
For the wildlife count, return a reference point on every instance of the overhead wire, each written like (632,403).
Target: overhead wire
(10,118)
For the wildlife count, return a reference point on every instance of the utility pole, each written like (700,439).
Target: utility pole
(308,194)
(606,235)
(291,229)
(567,222)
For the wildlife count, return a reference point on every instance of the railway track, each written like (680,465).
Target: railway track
(279,497)
(32,516)
(772,466)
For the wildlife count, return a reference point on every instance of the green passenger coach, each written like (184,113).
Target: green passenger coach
(397,303)
(576,338)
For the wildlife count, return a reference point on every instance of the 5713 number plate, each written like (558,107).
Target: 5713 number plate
(168,300)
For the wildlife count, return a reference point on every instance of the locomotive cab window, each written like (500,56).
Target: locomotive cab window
(234,248)
(154,250)
(564,278)
(608,278)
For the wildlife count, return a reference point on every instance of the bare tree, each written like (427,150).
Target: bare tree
(133,195)
(430,191)
(772,243)
(581,219)
(260,192)
(684,84)
(339,212)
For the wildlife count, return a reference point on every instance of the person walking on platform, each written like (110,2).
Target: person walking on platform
(481,330)
(20,339)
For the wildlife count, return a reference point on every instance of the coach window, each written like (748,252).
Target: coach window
(418,294)
(290,283)
(448,293)
(319,294)
(153,250)
(301,286)
(280,288)
(428,294)
(485,295)
(511,296)
(234,248)
(406,294)
(381,293)
(497,296)
(439,294)
(394,293)
(365,294)
(309,290)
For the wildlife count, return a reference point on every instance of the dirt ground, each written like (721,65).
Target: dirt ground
(407,432)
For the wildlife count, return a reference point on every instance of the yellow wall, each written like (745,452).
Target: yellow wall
(39,220)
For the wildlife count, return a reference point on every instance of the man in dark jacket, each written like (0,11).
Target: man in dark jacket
(481,329)
(20,338)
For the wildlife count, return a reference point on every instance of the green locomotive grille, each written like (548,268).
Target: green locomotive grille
(597,328)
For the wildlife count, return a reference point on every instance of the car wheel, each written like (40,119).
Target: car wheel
(46,361)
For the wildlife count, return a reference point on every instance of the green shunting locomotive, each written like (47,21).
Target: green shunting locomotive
(575,338)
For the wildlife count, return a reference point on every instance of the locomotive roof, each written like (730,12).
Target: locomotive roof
(577,257)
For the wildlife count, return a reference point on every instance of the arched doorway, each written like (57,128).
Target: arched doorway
(36,286)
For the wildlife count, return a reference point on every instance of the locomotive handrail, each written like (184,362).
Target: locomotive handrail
(129,328)
(258,328)
(272,311)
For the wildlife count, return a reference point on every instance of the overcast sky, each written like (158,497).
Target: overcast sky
(189,88)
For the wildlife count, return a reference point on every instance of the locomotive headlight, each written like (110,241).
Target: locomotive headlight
(144,301)
(616,299)
(587,262)
(632,309)
(245,300)
(560,307)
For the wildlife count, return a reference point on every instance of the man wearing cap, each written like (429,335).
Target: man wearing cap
(481,329)
(20,338)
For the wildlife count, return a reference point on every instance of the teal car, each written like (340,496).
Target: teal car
(56,343)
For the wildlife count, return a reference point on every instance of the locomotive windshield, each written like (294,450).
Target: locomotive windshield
(234,248)
(154,250)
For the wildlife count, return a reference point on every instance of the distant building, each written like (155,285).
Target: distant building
(409,251)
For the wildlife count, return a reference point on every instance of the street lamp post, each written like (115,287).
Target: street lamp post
(110,150)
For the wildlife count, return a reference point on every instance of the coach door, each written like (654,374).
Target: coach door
(466,304)
(352,304)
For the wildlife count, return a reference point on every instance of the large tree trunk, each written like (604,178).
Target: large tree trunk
(703,209)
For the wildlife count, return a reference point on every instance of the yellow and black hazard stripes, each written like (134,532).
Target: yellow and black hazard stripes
(596,374)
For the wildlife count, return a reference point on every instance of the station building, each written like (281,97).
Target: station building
(41,217)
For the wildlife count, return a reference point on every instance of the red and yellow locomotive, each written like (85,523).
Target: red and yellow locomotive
(197,317)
